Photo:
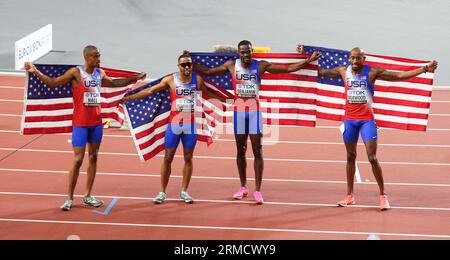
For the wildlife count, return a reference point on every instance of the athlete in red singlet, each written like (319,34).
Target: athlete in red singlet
(359,118)
(86,81)
(184,87)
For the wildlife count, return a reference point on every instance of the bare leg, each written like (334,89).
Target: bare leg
(166,168)
(371,147)
(75,170)
(259,161)
(241,145)
(351,165)
(92,169)
(188,168)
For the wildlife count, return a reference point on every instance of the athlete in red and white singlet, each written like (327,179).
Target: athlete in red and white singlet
(87,127)
(359,117)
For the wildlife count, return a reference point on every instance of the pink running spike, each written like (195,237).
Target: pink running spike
(348,200)
(384,203)
(242,193)
(258,197)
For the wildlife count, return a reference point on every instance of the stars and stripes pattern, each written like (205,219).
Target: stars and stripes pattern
(49,110)
(149,117)
(286,99)
(401,104)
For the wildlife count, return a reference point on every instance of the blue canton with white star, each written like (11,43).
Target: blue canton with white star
(331,58)
(38,90)
(144,111)
(212,60)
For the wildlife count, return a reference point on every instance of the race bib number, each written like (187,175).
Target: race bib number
(357,96)
(247,90)
(91,99)
(185,105)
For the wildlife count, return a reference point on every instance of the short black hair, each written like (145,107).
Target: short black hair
(359,50)
(184,55)
(243,43)
(89,48)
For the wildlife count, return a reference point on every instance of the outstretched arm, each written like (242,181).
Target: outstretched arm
(213,71)
(149,91)
(328,73)
(224,68)
(51,82)
(331,73)
(391,75)
(276,69)
(117,83)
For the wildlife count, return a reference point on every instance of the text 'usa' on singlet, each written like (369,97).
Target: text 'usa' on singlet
(183,99)
(359,94)
(246,84)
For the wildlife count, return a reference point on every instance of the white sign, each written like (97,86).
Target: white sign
(33,46)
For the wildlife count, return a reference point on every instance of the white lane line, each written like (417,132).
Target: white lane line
(335,127)
(231,158)
(10,115)
(11,100)
(231,201)
(11,87)
(156,175)
(272,142)
(323,232)
(440,101)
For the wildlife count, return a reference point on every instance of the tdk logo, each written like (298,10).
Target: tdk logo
(92,83)
(248,86)
(357,93)
(356,84)
(244,76)
(185,92)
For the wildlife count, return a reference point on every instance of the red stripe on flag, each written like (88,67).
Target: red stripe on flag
(203,138)
(49,107)
(307,67)
(149,131)
(327,93)
(397,59)
(280,56)
(330,116)
(50,130)
(292,111)
(388,66)
(288,100)
(401,90)
(34,119)
(390,124)
(294,122)
(399,102)
(400,114)
(288,88)
(293,77)
(330,105)
(152,140)
(153,153)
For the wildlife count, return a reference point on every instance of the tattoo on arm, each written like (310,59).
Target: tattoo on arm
(329,73)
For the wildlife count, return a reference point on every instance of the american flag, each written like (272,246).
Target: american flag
(401,104)
(149,117)
(286,99)
(49,110)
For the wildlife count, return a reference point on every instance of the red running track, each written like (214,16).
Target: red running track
(303,179)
